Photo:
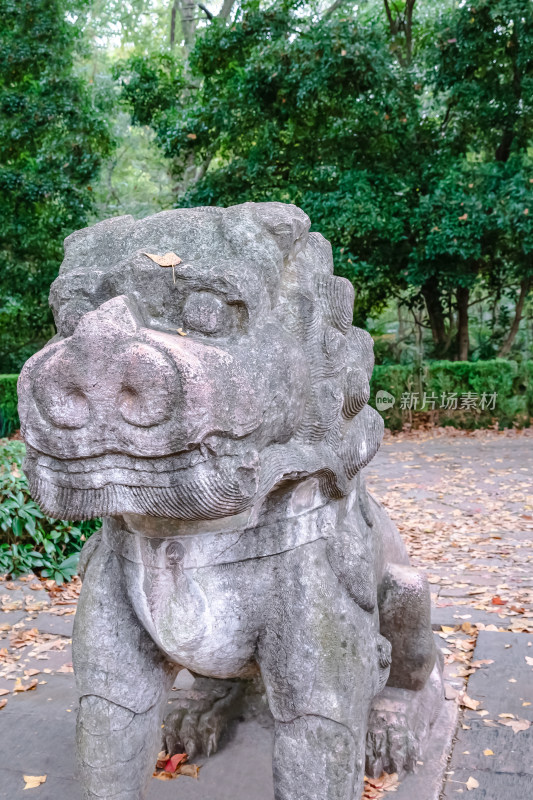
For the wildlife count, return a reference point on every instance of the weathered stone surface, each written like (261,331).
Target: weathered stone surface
(215,414)
(426,782)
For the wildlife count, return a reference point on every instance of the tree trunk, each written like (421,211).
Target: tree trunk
(187,10)
(173,23)
(435,314)
(525,286)
(463,341)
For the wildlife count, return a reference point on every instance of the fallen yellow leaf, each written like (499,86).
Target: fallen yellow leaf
(24,687)
(488,752)
(516,724)
(33,781)
(467,702)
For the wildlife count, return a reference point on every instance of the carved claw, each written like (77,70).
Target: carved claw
(391,744)
(200,716)
(399,726)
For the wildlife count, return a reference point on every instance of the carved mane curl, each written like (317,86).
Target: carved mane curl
(339,433)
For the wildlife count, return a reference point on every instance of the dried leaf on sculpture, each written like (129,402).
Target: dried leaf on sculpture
(167,260)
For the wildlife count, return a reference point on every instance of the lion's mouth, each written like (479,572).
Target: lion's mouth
(101,470)
(190,485)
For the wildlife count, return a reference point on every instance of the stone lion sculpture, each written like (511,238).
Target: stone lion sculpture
(215,415)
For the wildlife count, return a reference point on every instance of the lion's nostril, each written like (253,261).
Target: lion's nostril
(148,387)
(67,409)
(128,401)
(143,408)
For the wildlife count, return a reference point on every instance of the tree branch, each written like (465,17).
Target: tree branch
(206,11)
(173,22)
(389,16)
(525,287)
(333,7)
(225,11)
(409,28)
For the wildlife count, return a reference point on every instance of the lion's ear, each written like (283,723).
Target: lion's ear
(288,224)
(361,441)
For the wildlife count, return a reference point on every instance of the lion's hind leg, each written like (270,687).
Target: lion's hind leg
(402,714)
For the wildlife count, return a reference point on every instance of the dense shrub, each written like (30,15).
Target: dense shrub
(472,383)
(28,539)
(9,420)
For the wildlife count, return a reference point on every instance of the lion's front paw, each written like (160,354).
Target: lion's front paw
(199,716)
(399,726)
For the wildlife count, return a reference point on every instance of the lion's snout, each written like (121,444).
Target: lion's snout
(103,381)
(83,390)
(115,386)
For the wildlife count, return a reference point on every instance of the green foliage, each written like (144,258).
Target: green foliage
(154,81)
(53,133)
(136,178)
(485,65)
(512,382)
(114,28)
(28,539)
(9,420)
(408,152)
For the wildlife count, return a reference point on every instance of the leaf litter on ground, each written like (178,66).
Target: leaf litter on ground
(169,767)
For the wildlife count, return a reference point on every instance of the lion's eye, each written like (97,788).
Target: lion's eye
(205,312)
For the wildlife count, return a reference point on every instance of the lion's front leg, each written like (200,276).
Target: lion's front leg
(123,681)
(322,661)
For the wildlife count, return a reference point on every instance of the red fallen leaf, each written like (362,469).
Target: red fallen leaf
(174,762)
(497,601)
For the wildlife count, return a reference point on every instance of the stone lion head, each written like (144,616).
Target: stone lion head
(195,392)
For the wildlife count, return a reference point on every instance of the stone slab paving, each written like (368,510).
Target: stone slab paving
(498,759)
(241,770)
(457,615)
(41,742)
(51,623)
(464,505)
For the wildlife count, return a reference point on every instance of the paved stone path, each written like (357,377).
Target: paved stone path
(464,505)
